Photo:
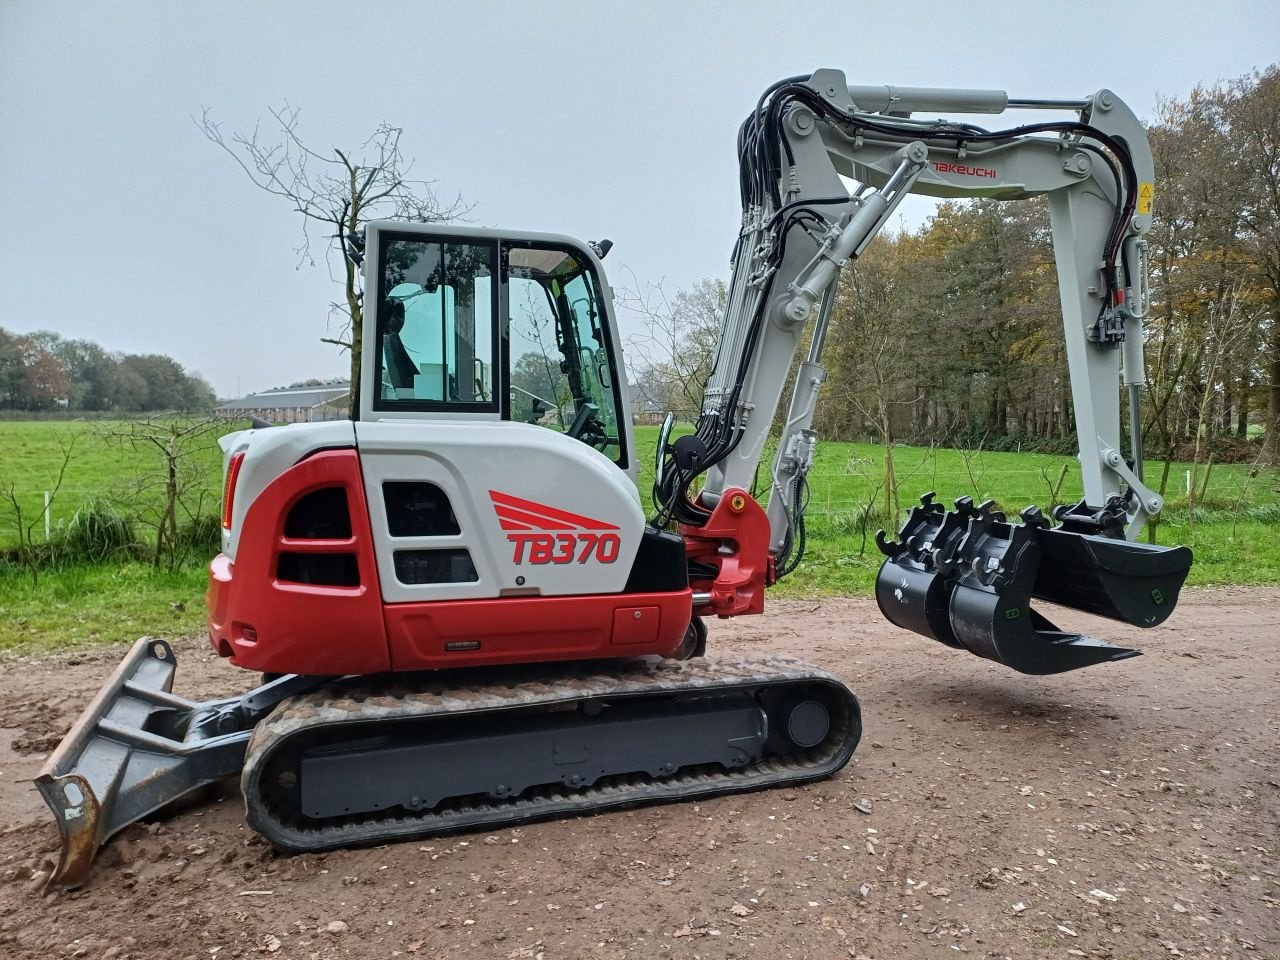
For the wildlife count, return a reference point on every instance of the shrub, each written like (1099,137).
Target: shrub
(98,531)
(202,533)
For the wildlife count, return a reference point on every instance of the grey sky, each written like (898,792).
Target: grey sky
(124,225)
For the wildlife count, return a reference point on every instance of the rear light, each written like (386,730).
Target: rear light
(229,490)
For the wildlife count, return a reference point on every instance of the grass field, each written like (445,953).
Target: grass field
(101,464)
(1235,531)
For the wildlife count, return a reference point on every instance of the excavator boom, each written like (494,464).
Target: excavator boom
(965,578)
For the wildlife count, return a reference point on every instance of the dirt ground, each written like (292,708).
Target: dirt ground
(1126,811)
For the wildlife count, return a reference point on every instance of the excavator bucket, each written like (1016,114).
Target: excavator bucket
(984,571)
(911,594)
(137,747)
(1136,583)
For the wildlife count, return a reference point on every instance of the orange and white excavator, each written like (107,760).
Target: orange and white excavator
(463,614)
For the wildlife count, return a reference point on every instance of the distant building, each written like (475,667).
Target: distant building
(329,402)
(644,409)
(291,404)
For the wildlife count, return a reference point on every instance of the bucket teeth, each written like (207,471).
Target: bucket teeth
(966,578)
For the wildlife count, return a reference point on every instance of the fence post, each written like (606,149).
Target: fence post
(46,517)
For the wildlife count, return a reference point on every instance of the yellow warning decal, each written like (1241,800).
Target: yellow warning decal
(1146,193)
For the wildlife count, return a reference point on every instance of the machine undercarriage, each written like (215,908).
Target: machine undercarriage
(358,761)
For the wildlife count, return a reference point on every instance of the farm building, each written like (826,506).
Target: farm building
(328,401)
(290,404)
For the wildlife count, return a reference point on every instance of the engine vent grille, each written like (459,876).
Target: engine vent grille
(418,509)
(308,553)
(320,515)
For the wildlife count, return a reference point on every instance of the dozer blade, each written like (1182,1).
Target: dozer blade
(985,571)
(137,747)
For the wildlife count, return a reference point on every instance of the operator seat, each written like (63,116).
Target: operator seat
(400,366)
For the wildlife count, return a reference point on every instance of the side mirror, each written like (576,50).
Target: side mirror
(536,409)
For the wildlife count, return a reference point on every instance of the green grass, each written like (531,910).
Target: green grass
(99,466)
(78,603)
(111,603)
(1235,532)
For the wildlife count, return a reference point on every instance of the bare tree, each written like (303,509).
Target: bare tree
(1251,105)
(677,342)
(28,554)
(1226,325)
(174,488)
(869,357)
(337,192)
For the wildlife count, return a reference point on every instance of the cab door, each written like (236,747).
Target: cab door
(473,325)
(561,360)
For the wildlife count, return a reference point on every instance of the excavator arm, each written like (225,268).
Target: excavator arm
(964,578)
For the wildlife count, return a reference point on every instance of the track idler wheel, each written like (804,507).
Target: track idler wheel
(966,579)
(805,721)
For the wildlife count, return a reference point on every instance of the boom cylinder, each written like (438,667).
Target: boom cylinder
(857,233)
(891,99)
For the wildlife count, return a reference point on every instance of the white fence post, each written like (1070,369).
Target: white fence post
(47,530)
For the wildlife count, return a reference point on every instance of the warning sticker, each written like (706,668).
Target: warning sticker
(1146,193)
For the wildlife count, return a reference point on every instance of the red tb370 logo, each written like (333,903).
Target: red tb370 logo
(543,534)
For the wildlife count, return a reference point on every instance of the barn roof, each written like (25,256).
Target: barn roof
(285,398)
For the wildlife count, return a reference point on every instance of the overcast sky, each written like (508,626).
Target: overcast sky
(122,224)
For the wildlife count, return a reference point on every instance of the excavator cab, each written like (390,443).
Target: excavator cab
(966,578)
(493,325)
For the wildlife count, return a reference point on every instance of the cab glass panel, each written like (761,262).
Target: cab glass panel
(437,319)
(561,371)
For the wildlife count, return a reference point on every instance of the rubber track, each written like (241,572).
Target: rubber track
(497,691)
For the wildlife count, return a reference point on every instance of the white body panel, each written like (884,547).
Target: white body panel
(467,461)
(273,452)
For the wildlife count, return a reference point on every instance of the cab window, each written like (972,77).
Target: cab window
(437,320)
(560,374)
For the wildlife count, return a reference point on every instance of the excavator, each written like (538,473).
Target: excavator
(462,614)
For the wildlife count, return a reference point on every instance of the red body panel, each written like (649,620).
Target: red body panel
(274,626)
(535,629)
(294,627)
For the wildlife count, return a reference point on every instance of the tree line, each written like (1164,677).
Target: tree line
(952,333)
(45,371)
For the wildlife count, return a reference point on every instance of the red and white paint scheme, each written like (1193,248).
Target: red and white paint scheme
(549,582)
(566,486)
